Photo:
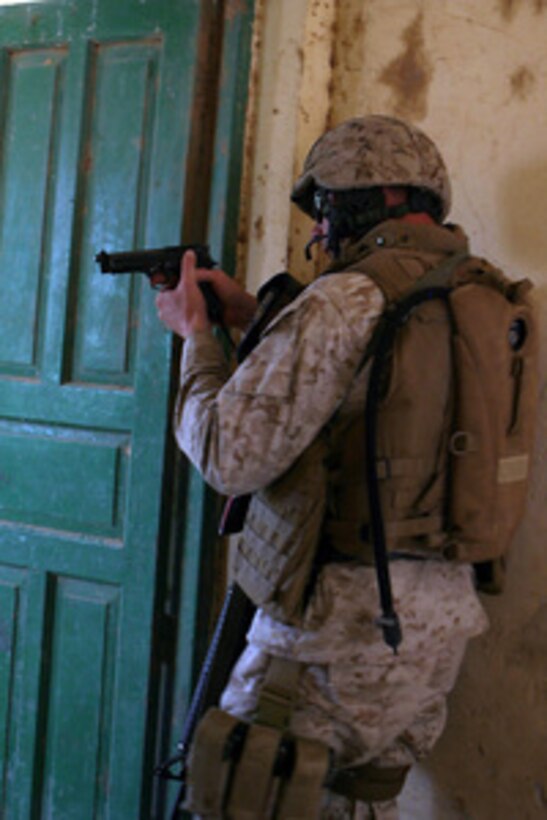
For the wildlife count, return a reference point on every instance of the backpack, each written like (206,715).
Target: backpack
(494,352)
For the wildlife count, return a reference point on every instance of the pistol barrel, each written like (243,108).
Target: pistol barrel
(155,259)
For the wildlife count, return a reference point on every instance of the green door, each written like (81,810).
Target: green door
(95,98)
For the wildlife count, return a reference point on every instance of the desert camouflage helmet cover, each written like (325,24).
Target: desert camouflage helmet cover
(368,151)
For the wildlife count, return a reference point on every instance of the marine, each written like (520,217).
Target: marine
(287,427)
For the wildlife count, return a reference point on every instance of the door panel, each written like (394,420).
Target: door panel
(29,78)
(117,140)
(94,117)
(82,609)
(46,468)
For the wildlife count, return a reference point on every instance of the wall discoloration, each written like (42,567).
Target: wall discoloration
(508,8)
(530,646)
(249,146)
(258,226)
(522,205)
(410,74)
(522,82)
(276,77)
(350,31)
(315,112)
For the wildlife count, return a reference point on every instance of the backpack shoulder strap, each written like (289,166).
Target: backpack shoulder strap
(437,283)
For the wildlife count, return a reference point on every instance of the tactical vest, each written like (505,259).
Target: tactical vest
(454,435)
(274,554)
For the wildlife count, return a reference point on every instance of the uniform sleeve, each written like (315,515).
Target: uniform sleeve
(244,431)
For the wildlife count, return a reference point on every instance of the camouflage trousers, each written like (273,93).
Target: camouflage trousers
(354,694)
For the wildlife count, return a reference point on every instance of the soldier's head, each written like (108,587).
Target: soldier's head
(369,169)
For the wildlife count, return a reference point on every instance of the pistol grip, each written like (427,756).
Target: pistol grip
(214,305)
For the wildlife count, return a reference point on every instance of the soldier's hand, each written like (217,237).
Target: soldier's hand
(183,309)
(238,305)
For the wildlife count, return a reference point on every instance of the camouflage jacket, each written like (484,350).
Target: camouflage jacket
(262,429)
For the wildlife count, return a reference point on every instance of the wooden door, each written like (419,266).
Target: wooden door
(95,98)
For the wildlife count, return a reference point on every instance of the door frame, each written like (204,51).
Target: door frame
(192,562)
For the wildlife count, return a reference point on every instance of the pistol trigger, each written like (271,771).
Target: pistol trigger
(158,279)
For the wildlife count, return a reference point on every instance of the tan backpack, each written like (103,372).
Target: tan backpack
(494,353)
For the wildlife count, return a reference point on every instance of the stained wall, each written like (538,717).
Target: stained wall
(473,74)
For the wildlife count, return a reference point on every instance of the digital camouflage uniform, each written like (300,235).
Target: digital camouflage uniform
(248,433)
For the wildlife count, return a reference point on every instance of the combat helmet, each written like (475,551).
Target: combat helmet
(372,151)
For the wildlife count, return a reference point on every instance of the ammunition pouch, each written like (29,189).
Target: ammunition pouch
(245,770)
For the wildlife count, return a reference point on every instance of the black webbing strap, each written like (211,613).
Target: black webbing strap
(369,783)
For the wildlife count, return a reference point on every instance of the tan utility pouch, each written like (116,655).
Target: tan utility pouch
(245,771)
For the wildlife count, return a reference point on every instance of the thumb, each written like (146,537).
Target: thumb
(187,270)
(189,262)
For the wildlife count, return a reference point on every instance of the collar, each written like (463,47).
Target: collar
(400,235)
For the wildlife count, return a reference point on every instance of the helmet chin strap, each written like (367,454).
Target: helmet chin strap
(315,240)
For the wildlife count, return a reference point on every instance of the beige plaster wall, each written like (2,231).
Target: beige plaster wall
(473,74)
